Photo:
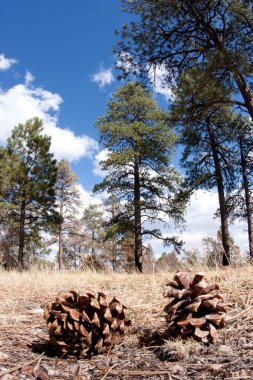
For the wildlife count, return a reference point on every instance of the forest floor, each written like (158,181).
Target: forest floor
(26,354)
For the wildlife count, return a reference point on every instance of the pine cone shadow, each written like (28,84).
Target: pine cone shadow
(149,337)
(47,348)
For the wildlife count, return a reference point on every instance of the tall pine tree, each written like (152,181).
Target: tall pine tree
(140,141)
(27,192)
(176,36)
(68,202)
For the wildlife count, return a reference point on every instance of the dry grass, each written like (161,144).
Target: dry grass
(22,294)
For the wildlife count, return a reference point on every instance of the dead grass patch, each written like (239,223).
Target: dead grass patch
(22,294)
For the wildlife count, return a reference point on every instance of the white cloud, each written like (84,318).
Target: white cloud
(20,103)
(87,197)
(65,144)
(125,62)
(29,78)
(200,223)
(101,156)
(103,77)
(6,63)
(157,76)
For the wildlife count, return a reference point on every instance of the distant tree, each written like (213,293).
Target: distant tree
(240,202)
(168,261)
(148,258)
(139,141)
(205,133)
(127,245)
(75,245)
(114,229)
(192,257)
(213,249)
(68,201)
(93,221)
(29,173)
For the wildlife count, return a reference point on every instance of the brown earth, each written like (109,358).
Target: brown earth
(147,353)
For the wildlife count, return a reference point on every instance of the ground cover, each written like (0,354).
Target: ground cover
(146,353)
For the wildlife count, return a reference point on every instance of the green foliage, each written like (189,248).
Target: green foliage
(66,188)
(182,35)
(68,201)
(213,250)
(29,172)
(139,141)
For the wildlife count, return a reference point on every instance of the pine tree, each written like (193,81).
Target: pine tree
(74,245)
(68,201)
(140,141)
(205,134)
(93,221)
(240,202)
(180,35)
(29,172)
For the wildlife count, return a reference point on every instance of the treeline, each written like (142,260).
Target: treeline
(142,192)
(204,50)
(41,205)
(42,212)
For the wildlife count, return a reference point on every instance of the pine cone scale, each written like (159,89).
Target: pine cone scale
(83,323)
(192,309)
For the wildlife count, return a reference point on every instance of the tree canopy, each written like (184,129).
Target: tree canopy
(139,141)
(28,193)
(180,35)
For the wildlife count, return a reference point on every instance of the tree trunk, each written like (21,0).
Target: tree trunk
(21,242)
(61,237)
(137,215)
(114,254)
(244,90)
(235,72)
(93,249)
(222,202)
(247,199)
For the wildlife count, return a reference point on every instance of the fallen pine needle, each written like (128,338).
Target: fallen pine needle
(147,306)
(140,373)
(240,314)
(24,326)
(37,366)
(13,369)
(109,370)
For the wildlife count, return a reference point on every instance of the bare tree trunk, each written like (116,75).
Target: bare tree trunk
(60,253)
(247,199)
(21,243)
(114,253)
(137,216)
(244,90)
(222,202)
(93,249)
(242,85)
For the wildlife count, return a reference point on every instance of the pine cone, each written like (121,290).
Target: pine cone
(193,311)
(83,323)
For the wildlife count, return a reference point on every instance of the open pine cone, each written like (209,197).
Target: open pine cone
(193,310)
(83,323)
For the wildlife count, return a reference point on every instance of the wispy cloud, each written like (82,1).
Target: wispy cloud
(157,74)
(6,63)
(200,223)
(101,156)
(29,78)
(103,77)
(157,77)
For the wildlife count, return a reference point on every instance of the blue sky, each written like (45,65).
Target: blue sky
(56,62)
(62,44)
